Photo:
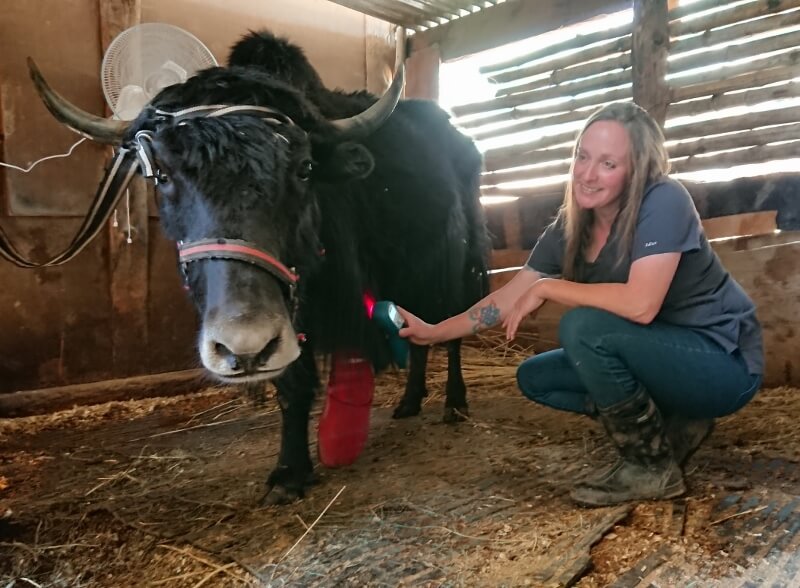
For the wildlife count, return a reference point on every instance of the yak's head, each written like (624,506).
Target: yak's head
(236,193)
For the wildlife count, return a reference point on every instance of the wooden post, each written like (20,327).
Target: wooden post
(379,47)
(128,261)
(422,69)
(649,57)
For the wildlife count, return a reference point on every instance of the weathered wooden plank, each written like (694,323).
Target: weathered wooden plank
(3,194)
(734,225)
(47,400)
(506,258)
(747,98)
(556,168)
(510,21)
(729,74)
(774,192)
(394,11)
(737,31)
(422,74)
(551,163)
(733,123)
(526,108)
(751,147)
(775,69)
(70,60)
(746,156)
(128,240)
(128,277)
(649,53)
(571,74)
(768,268)
(171,317)
(55,328)
(380,46)
(603,82)
(566,564)
(721,18)
(529,124)
(544,65)
(739,225)
(734,52)
(677,12)
(614,34)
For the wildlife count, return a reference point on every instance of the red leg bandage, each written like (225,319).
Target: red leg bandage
(344,424)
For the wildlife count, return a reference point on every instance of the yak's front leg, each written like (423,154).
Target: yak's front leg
(411,403)
(455,405)
(294,472)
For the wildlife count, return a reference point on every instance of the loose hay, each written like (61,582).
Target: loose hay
(164,492)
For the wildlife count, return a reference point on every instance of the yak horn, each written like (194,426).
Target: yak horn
(92,127)
(364,123)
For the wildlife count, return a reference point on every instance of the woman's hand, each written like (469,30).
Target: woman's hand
(416,330)
(526,304)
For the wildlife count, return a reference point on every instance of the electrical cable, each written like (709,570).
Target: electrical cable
(38,161)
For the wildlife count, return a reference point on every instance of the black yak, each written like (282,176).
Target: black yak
(292,205)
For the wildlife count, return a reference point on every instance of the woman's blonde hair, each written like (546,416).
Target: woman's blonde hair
(648,161)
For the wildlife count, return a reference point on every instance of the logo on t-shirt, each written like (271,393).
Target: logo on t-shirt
(651,243)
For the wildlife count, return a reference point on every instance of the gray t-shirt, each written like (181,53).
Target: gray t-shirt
(702,296)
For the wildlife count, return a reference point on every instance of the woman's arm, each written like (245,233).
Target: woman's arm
(638,300)
(488,312)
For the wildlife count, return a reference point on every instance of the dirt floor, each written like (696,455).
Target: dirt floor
(167,493)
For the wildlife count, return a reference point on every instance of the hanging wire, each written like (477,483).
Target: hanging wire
(115,220)
(38,161)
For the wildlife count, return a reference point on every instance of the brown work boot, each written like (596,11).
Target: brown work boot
(647,469)
(686,435)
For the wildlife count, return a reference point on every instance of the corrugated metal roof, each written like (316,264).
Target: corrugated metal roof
(418,15)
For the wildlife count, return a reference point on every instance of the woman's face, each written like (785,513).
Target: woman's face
(601,168)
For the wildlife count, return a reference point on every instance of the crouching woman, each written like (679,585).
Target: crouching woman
(660,339)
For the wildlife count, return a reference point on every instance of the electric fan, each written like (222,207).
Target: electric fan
(146,58)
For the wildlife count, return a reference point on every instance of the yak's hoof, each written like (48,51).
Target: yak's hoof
(283,488)
(405,410)
(278,495)
(455,414)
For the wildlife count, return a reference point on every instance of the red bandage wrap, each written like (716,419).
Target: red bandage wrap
(344,424)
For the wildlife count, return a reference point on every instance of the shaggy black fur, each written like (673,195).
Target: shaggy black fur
(411,231)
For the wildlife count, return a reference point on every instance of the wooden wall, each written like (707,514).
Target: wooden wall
(744,214)
(768,268)
(118,309)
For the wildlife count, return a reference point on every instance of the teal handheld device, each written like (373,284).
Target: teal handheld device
(389,319)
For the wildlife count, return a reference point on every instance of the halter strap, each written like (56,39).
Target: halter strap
(117,177)
(238,250)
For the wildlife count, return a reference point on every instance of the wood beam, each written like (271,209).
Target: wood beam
(650,49)
(127,261)
(422,74)
(511,21)
(49,400)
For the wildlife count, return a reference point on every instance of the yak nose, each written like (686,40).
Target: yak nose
(232,347)
(246,362)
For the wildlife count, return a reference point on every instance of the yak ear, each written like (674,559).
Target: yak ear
(345,161)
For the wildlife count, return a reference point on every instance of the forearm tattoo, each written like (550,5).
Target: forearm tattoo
(484,316)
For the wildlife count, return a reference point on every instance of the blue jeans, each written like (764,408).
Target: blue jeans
(605,358)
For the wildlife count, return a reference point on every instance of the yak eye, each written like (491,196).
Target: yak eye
(304,171)
(162,178)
